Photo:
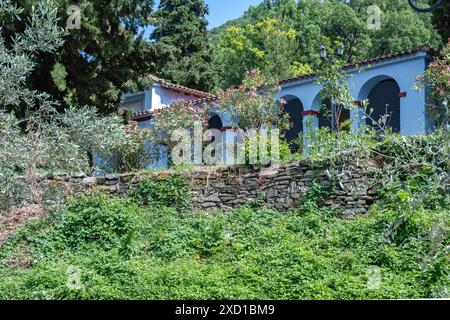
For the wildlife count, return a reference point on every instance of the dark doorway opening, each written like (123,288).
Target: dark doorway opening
(384,104)
(215,122)
(294,108)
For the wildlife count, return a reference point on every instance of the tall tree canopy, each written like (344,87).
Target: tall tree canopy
(401,28)
(441,20)
(181,39)
(97,62)
(316,21)
(266,46)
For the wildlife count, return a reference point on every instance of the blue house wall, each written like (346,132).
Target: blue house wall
(403,70)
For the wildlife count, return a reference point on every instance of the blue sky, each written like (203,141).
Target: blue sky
(221,11)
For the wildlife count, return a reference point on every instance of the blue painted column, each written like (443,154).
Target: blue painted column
(412,109)
(228,138)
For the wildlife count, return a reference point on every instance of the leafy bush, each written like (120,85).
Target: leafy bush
(62,142)
(171,192)
(254,104)
(42,34)
(34,137)
(98,220)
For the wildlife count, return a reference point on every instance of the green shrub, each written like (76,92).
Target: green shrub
(171,192)
(97,220)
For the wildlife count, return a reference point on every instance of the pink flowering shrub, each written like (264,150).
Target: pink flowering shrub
(254,103)
(180,115)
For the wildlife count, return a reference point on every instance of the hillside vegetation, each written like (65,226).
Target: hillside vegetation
(151,245)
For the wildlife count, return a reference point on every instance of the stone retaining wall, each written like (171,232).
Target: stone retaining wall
(230,187)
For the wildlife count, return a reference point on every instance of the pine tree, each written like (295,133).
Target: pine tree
(181,39)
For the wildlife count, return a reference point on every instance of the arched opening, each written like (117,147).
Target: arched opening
(328,113)
(382,93)
(215,122)
(384,106)
(294,108)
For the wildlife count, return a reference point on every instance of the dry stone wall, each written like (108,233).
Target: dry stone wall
(281,187)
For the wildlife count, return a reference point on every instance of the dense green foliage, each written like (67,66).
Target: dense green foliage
(97,221)
(57,142)
(158,252)
(108,55)
(266,45)
(312,22)
(181,40)
(45,140)
(17,61)
(171,192)
(99,61)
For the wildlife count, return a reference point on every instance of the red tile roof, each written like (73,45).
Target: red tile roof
(365,62)
(203,100)
(181,89)
(205,97)
(147,113)
(177,88)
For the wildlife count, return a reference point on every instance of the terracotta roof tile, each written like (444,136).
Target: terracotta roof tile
(188,91)
(205,97)
(366,62)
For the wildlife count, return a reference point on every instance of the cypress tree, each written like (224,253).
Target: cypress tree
(441,20)
(181,40)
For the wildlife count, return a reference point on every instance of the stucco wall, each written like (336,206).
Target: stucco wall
(403,70)
(162,97)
